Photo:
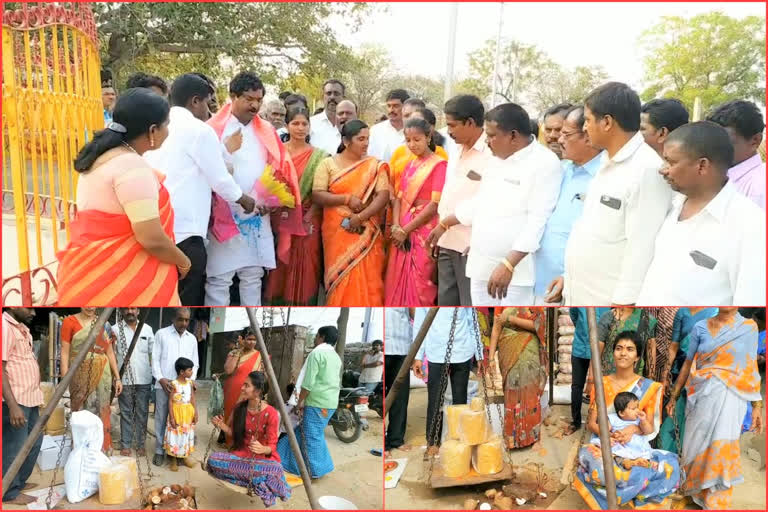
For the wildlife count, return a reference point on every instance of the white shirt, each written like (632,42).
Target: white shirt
(611,244)
(324,134)
(141,358)
(450,146)
(731,231)
(257,248)
(384,140)
(509,211)
(191,160)
(169,347)
(372,374)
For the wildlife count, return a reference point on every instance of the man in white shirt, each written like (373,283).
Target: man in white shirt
(464,115)
(137,380)
(171,343)
(508,214)
(346,110)
(611,244)
(711,247)
(387,135)
(250,252)
(323,127)
(192,162)
(373,367)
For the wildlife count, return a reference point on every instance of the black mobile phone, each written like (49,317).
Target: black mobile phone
(703,260)
(407,245)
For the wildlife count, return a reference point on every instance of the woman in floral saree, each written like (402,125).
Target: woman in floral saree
(411,271)
(622,319)
(518,334)
(353,190)
(724,350)
(644,487)
(297,281)
(91,386)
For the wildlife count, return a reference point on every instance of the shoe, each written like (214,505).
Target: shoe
(174,464)
(189,462)
(158,459)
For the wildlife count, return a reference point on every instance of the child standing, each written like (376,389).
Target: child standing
(637,452)
(179,440)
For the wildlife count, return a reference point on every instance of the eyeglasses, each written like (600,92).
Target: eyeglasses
(569,134)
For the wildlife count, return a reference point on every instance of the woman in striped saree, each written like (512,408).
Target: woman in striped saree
(353,190)
(724,350)
(122,251)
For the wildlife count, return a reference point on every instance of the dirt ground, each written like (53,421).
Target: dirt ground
(357,476)
(413,493)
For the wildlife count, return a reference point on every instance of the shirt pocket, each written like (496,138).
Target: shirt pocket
(611,208)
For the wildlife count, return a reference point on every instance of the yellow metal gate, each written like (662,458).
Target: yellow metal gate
(51,104)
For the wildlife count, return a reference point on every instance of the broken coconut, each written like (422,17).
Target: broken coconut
(491,493)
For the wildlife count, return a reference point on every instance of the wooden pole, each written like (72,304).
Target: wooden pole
(275,387)
(37,429)
(405,368)
(602,412)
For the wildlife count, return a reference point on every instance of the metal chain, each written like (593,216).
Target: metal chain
(123,347)
(499,410)
(60,455)
(437,421)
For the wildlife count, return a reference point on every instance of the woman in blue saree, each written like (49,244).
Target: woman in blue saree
(723,350)
(641,487)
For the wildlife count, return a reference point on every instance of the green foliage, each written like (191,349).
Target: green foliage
(274,39)
(528,76)
(712,56)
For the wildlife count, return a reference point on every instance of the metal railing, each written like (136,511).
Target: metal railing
(51,104)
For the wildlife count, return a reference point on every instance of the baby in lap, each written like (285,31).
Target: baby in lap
(637,452)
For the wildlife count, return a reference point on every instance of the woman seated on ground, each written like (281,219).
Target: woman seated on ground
(646,487)
(252,461)
(726,378)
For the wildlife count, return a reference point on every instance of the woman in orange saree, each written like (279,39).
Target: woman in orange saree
(297,281)
(411,271)
(240,362)
(353,190)
(122,250)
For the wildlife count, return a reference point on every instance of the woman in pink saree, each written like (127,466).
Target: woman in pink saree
(411,272)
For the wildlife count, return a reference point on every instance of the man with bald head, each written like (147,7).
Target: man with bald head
(346,110)
(711,247)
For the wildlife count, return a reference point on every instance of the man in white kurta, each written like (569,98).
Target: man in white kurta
(711,247)
(387,135)
(516,196)
(611,244)
(250,253)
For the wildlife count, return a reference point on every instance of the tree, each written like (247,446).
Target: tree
(527,76)
(273,38)
(712,56)
(367,80)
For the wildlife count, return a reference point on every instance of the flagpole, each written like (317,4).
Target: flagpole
(447,92)
(495,78)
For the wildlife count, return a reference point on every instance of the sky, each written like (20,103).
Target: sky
(313,318)
(416,34)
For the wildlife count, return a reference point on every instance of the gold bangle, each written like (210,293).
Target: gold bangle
(442,225)
(757,404)
(509,265)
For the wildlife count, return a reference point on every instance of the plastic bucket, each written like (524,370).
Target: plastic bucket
(335,503)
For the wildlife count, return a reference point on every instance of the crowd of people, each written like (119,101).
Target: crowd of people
(162,369)
(617,202)
(646,357)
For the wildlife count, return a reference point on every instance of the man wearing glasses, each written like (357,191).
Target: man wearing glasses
(580,163)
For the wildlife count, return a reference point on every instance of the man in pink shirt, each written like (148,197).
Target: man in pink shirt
(464,117)
(22,397)
(744,123)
